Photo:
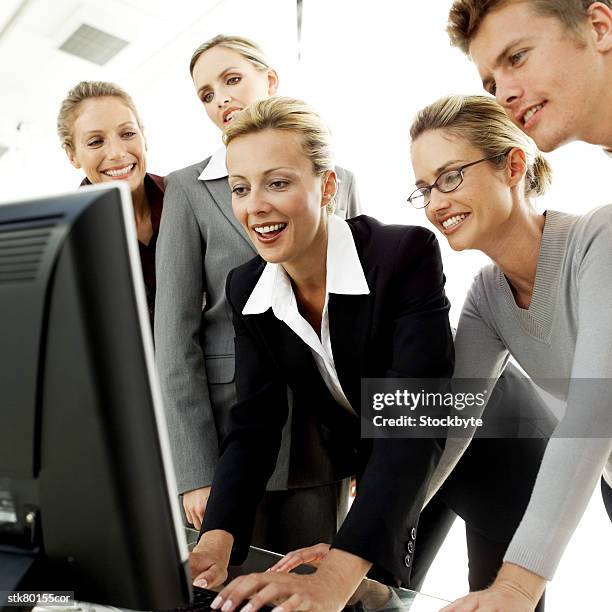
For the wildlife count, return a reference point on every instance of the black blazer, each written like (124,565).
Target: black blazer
(400,329)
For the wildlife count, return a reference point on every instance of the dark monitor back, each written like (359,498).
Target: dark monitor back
(86,480)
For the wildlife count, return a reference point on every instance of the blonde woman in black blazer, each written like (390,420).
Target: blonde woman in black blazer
(357,299)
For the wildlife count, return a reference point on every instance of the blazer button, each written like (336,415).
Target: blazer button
(413,533)
(407,560)
(410,547)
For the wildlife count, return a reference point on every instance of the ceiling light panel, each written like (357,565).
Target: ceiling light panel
(93,45)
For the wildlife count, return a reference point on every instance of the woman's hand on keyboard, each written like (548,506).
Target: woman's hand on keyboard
(328,589)
(209,560)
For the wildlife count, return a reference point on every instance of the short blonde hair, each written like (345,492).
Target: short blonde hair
(465,16)
(84,91)
(482,122)
(250,50)
(290,115)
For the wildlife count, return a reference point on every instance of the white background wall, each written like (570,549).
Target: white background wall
(367,67)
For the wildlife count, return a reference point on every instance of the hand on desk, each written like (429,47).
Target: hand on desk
(327,590)
(515,590)
(194,504)
(491,600)
(310,554)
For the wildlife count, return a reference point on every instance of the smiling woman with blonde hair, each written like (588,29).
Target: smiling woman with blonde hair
(200,242)
(102,134)
(544,301)
(326,303)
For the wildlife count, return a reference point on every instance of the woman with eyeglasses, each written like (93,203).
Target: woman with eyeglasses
(544,300)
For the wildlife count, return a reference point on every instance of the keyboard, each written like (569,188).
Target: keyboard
(202,598)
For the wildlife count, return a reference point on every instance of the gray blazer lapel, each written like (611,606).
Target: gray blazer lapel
(220,193)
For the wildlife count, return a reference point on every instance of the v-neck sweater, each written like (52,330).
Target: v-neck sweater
(564,337)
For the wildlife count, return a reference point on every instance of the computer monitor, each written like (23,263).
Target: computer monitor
(87,494)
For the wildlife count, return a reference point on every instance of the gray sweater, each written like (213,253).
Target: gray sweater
(564,335)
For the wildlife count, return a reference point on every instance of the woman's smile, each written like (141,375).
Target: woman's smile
(451,223)
(268,232)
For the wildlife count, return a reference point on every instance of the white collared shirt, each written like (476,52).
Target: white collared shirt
(216,168)
(344,276)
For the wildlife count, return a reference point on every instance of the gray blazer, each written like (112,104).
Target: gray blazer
(199,242)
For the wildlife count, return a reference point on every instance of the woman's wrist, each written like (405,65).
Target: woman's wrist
(217,542)
(520,581)
(344,571)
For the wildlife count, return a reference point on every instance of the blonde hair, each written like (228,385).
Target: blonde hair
(482,122)
(290,115)
(251,51)
(465,16)
(84,91)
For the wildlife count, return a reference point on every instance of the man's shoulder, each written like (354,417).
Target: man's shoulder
(593,230)
(343,174)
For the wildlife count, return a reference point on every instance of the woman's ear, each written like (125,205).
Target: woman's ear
(72,157)
(272,81)
(516,166)
(330,187)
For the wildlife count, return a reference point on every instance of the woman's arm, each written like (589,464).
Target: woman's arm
(572,465)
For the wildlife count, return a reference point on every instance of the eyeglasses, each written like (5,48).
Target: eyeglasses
(445,183)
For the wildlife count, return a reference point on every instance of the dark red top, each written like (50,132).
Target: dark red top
(154,189)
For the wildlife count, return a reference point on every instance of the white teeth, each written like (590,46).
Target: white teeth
(120,172)
(270,228)
(532,111)
(453,221)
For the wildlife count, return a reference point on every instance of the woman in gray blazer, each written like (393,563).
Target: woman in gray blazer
(200,241)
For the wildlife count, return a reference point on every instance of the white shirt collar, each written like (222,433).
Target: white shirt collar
(216,168)
(344,274)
